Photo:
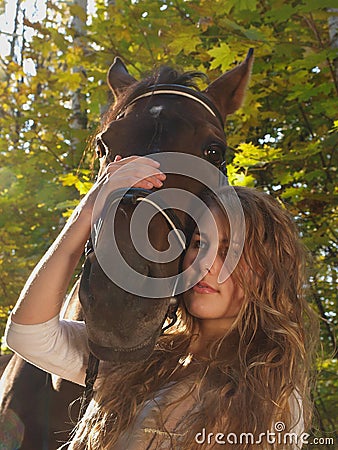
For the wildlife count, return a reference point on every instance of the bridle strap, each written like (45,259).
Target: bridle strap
(175,227)
(134,196)
(91,375)
(176,89)
(138,195)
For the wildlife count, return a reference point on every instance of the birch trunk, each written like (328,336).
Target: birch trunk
(333,32)
(79,116)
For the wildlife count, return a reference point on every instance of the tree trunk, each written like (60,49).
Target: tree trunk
(333,32)
(79,116)
(15,30)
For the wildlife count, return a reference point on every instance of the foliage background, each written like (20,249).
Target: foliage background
(284,140)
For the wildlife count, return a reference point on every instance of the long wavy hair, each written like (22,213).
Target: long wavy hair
(257,375)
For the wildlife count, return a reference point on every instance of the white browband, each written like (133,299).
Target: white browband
(181,93)
(169,92)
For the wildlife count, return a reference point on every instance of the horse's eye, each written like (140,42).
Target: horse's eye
(101,149)
(214,154)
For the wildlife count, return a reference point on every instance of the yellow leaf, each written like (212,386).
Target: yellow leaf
(83,187)
(68,180)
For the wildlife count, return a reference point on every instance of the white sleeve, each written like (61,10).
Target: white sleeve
(56,346)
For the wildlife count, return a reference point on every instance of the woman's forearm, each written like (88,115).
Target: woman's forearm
(45,290)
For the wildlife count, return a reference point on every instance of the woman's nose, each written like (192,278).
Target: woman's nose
(210,262)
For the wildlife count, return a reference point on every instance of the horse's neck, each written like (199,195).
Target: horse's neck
(71,308)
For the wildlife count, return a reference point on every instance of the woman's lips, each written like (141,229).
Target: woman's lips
(204,288)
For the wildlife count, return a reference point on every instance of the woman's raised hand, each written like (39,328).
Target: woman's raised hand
(133,171)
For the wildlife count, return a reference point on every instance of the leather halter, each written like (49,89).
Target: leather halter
(176,89)
(139,195)
(134,196)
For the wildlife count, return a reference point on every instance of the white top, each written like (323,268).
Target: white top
(56,346)
(60,347)
(157,426)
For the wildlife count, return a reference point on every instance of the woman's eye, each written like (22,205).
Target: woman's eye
(200,244)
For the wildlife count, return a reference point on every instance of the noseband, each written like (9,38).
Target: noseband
(134,196)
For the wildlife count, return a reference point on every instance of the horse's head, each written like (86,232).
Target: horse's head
(163,113)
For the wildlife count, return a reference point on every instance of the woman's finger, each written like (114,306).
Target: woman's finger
(137,170)
(131,160)
(147,183)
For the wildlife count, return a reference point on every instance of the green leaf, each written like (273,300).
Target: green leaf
(313,5)
(69,179)
(283,12)
(185,43)
(240,5)
(254,34)
(335,126)
(222,56)
(83,187)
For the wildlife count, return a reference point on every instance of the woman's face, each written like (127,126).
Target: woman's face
(209,299)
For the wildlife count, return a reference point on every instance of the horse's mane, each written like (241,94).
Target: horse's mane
(162,75)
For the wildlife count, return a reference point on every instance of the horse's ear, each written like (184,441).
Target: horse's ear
(228,91)
(118,77)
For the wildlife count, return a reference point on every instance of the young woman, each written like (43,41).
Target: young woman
(234,373)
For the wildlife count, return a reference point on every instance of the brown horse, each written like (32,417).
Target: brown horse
(4,360)
(122,325)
